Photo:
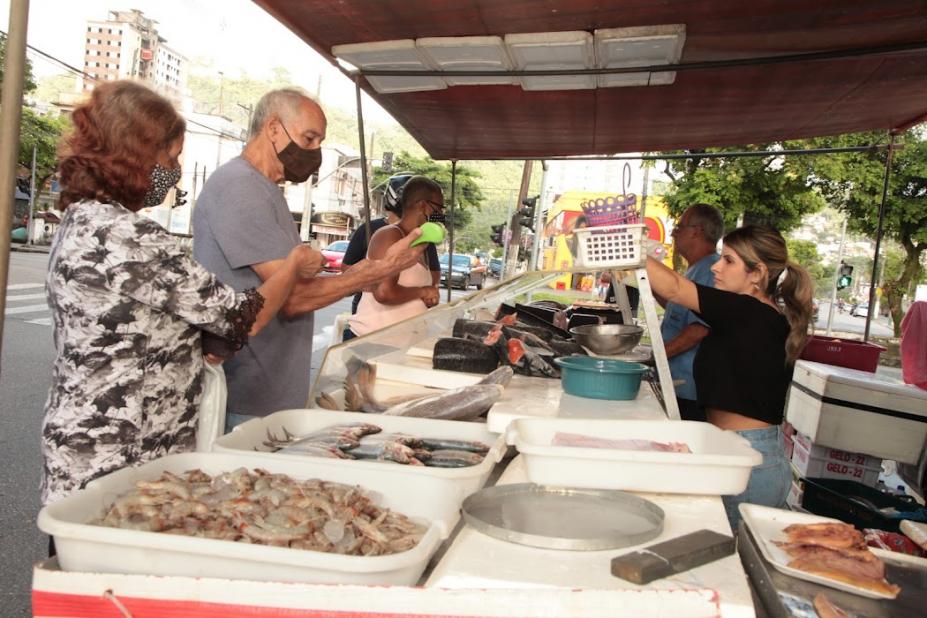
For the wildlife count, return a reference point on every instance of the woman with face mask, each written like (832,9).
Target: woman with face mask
(129,304)
(414,290)
(758,314)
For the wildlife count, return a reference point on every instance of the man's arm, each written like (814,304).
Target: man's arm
(688,338)
(309,295)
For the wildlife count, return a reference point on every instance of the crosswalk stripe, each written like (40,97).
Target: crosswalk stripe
(24,286)
(26,309)
(40,321)
(25,297)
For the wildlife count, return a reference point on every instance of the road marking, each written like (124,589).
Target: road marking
(24,286)
(27,309)
(25,297)
(40,321)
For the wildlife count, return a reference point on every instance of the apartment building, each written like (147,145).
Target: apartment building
(127,45)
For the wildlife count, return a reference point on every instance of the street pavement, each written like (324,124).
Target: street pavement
(25,372)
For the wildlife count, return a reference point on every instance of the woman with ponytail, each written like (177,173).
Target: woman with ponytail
(758,313)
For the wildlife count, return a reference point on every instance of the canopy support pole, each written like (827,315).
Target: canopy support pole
(363,156)
(450,251)
(875,257)
(11,109)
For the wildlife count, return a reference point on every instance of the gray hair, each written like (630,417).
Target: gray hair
(283,103)
(419,188)
(709,219)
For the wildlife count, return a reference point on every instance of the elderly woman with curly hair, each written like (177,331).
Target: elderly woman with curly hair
(129,304)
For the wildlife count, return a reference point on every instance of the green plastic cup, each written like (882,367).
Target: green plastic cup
(431,232)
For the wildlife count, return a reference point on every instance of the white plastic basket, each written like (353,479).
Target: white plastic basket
(616,246)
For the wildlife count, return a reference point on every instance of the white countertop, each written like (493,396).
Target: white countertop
(475,560)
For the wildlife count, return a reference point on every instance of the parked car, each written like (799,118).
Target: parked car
(467,271)
(334,253)
(860,310)
(495,267)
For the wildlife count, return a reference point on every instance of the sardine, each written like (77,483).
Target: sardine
(441,444)
(386,451)
(453,459)
(458,404)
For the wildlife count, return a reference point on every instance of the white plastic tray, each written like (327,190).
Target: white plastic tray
(249,436)
(767,525)
(98,549)
(719,464)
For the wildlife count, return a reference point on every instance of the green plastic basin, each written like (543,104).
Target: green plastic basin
(600,378)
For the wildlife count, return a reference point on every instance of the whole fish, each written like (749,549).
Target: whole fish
(501,376)
(480,329)
(453,459)
(528,362)
(457,404)
(442,444)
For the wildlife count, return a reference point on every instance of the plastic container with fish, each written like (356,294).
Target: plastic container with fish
(250,436)
(97,549)
(719,464)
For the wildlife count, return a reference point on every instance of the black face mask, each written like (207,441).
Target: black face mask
(298,163)
(438,217)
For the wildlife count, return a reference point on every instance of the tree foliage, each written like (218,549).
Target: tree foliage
(469,195)
(44,133)
(28,80)
(854,183)
(805,254)
(771,189)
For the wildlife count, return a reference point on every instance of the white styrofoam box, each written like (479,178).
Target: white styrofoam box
(537,51)
(720,461)
(400,55)
(639,46)
(475,53)
(250,436)
(828,463)
(858,411)
(793,500)
(85,547)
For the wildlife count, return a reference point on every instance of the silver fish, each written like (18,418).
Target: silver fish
(457,404)
(453,459)
(501,376)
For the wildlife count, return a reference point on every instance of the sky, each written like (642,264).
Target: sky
(237,35)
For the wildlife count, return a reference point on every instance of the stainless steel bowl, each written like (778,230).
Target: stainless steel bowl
(608,338)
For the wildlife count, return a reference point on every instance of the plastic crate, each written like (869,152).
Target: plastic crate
(617,246)
(843,353)
(850,501)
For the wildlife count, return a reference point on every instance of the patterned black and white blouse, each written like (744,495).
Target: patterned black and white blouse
(128,305)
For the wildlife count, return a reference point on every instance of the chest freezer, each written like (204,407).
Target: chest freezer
(858,411)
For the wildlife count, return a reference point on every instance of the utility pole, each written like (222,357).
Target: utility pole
(833,291)
(221,90)
(515,222)
(538,218)
(30,228)
(508,231)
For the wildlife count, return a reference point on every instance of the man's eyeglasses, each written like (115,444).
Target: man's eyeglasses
(435,205)
(679,226)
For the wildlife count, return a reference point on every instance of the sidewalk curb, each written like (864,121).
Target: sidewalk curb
(30,248)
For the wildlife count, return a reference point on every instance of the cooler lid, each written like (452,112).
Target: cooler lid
(835,384)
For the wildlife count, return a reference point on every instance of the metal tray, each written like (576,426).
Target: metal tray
(563,517)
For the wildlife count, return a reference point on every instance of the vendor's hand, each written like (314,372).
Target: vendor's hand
(309,262)
(430,295)
(401,256)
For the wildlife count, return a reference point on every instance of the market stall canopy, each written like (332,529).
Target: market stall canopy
(867,70)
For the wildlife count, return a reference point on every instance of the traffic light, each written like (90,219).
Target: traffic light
(527,212)
(497,234)
(178,197)
(844,276)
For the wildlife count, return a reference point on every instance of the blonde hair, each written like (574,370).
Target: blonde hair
(757,244)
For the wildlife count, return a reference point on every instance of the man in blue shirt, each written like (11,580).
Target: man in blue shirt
(695,237)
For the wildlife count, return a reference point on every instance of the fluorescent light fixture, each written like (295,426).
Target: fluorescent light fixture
(474,53)
(556,51)
(639,46)
(401,55)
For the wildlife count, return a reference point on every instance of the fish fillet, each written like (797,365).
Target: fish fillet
(457,404)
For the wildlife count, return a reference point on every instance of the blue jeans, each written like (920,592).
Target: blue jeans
(233,420)
(769,482)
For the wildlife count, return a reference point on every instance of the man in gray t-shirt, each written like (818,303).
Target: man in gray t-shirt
(243,230)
